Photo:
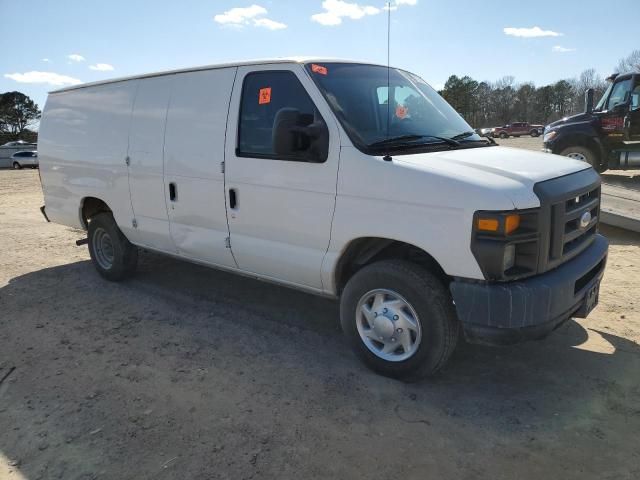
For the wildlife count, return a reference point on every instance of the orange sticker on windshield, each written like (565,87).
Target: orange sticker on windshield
(319,69)
(401,111)
(264,96)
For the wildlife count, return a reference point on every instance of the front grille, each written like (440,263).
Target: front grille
(566,228)
(568,236)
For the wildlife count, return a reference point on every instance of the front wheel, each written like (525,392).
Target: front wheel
(503,135)
(17,166)
(112,254)
(584,155)
(399,319)
(534,133)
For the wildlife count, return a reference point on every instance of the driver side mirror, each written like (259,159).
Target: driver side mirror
(588,100)
(297,135)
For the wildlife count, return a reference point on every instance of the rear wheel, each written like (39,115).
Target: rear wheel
(399,319)
(17,166)
(534,133)
(112,254)
(584,155)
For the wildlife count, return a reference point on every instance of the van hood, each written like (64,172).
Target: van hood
(511,171)
(524,166)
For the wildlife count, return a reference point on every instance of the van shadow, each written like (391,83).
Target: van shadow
(170,318)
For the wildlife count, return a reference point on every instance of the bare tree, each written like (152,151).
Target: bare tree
(587,79)
(630,63)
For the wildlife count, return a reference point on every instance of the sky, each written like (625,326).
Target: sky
(49,45)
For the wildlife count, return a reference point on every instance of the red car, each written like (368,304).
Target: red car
(517,129)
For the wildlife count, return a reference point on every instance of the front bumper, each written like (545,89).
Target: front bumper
(511,312)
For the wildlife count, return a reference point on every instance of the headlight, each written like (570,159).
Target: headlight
(506,223)
(550,136)
(505,244)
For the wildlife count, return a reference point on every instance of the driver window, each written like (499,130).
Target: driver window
(618,93)
(266,97)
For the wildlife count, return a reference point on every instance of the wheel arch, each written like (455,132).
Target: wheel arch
(363,251)
(90,206)
(582,140)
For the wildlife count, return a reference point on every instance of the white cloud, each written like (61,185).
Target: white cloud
(268,23)
(101,67)
(240,15)
(559,49)
(336,10)
(46,60)
(253,15)
(530,32)
(75,57)
(49,78)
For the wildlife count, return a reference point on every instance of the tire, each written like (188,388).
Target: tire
(113,256)
(503,135)
(432,338)
(534,133)
(585,155)
(17,166)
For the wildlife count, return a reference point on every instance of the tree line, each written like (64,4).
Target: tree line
(490,104)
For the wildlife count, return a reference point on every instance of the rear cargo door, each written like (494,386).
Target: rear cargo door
(145,164)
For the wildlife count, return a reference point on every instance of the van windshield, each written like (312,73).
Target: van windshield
(378,106)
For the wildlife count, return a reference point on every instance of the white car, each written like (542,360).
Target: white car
(24,159)
(306,173)
(9,148)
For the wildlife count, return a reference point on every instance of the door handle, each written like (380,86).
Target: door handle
(173,192)
(233,198)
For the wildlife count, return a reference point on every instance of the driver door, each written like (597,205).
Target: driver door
(615,111)
(279,207)
(633,117)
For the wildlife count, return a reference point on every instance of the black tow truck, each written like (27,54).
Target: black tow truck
(608,135)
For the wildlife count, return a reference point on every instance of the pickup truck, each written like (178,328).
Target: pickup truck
(518,129)
(348,180)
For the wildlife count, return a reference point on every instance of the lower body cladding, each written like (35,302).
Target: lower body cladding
(511,312)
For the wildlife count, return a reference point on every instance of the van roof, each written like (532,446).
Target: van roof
(211,67)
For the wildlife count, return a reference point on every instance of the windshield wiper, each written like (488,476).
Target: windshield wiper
(462,135)
(403,140)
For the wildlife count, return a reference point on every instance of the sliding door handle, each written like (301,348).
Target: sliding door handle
(233,198)
(173,192)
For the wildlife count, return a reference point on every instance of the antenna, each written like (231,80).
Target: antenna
(387,157)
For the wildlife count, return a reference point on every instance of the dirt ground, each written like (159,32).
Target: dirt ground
(188,373)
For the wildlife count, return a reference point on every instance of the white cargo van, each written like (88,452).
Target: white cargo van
(343,179)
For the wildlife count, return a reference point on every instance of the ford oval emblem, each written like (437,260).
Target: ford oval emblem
(585,219)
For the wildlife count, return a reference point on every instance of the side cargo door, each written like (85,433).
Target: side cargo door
(145,159)
(193,160)
(280,206)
